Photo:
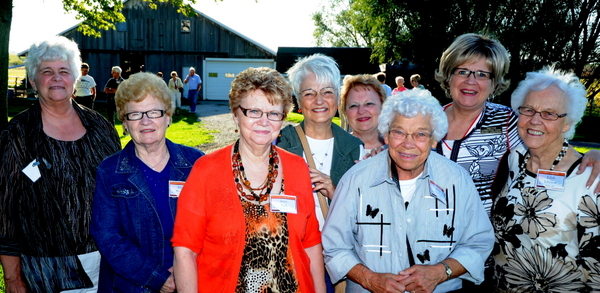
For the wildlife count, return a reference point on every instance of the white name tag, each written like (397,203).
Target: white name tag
(175,188)
(32,171)
(552,180)
(283,204)
(436,190)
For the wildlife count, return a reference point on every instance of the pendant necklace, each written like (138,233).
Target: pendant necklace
(322,161)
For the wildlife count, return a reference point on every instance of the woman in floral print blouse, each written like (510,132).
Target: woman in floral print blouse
(546,220)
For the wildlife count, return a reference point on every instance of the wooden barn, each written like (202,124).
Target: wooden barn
(163,40)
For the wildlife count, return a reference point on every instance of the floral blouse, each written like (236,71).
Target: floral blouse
(546,240)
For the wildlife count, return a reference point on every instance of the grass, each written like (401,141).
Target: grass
(15,76)
(297,118)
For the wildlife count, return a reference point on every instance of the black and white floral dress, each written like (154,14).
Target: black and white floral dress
(546,240)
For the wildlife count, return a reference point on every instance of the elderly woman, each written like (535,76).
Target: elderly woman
(398,222)
(137,189)
(48,160)
(176,88)
(546,220)
(316,80)
(361,100)
(399,85)
(240,227)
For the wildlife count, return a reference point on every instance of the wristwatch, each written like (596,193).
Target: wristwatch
(448,270)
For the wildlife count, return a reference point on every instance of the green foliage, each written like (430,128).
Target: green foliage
(14,60)
(297,118)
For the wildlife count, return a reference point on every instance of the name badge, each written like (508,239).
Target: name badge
(32,171)
(175,188)
(552,180)
(436,190)
(283,204)
(491,130)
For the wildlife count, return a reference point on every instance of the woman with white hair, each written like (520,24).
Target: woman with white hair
(546,220)
(48,159)
(407,219)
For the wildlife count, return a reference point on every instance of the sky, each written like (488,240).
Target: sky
(272,23)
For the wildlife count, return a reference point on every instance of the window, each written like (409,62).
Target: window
(186,26)
(230,75)
(213,74)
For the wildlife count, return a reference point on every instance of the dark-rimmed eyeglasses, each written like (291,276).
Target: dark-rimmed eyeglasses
(256,113)
(420,136)
(152,114)
(546,115)
(464,73)
(326,93)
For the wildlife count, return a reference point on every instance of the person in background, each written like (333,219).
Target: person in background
(85,88)
(415,81)
(546,220)
(399,85)
(48,159)
(381,78)
(194,85)
(176,87)
(110,89)
(240,227)
(407,219)
(136,192)
(361,100)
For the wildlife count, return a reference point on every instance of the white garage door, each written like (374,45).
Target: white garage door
(219,74)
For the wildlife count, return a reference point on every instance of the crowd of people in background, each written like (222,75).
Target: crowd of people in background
(407,196)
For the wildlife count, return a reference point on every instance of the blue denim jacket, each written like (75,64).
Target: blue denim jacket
(126,224)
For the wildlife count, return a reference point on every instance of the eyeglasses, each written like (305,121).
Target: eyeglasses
(546,115)
(255,113)
(402,135)
(326,93)
(464,73)
(152,114)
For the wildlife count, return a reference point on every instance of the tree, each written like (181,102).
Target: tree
(96,16)
(536,33)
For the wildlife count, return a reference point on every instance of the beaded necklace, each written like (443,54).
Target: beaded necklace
(523,167)
(242,181)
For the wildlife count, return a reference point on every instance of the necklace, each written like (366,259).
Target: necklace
(322,161)
(242,181)
(153,167)
(523,167)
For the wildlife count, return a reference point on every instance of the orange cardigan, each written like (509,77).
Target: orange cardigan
(210,220)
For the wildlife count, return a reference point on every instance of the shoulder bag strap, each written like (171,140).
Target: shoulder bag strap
(311,163)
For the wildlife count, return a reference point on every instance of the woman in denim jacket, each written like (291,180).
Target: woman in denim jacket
(136,192)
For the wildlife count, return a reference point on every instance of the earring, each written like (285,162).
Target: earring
(236,131)
(299,110)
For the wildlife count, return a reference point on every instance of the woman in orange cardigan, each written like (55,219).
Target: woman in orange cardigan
(239,226)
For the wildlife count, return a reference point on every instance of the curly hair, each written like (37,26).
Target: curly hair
(574,92)
(268,80)
(56,48)
(411,103)
(137,87)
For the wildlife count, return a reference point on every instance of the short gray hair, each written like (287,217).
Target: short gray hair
(411,103)
(57,48)
(575,93)
(116,69)
(324,67)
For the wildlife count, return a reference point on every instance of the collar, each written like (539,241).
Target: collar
(126,164)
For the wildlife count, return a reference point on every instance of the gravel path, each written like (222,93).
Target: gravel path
(215,115)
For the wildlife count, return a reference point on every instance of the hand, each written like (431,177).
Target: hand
(423,278)
(375,151)
(591,158)
(384,283)
(15,286)
(322,182)
(169,286)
